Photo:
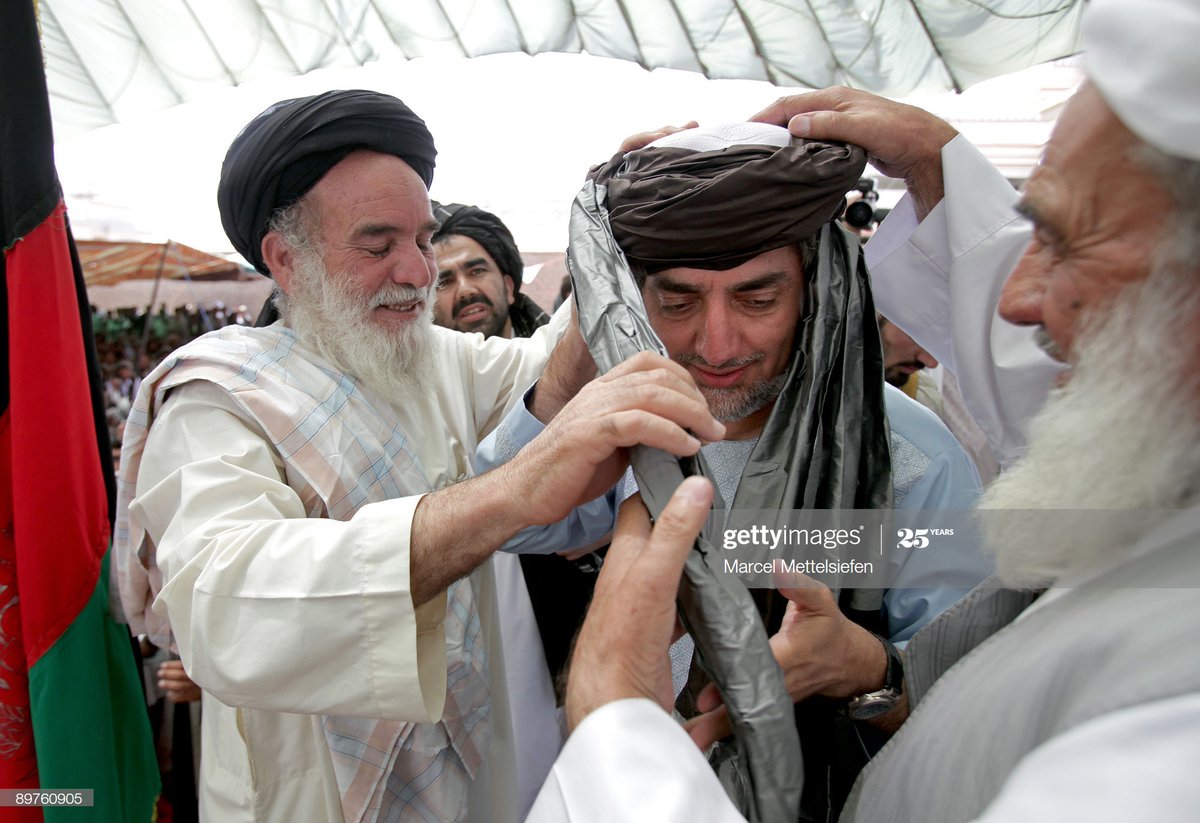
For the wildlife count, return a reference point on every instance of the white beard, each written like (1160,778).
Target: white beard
(1123,434)
(336,324)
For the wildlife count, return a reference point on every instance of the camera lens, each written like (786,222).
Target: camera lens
(859,214)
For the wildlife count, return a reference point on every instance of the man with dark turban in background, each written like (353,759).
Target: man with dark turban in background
(298,506)
(479,275)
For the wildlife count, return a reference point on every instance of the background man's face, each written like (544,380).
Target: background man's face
(901,354)
(1097,219)
(472,294)
(376,226)
(732,330)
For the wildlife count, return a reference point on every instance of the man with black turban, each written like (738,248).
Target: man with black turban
(748,282)
(479,275)
(297,502)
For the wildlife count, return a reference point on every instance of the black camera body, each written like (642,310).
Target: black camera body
(861,213)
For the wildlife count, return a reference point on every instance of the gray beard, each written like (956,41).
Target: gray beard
(336,325)
(1122,434)
(732,405)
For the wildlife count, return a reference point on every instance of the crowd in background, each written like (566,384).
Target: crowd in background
(130,342)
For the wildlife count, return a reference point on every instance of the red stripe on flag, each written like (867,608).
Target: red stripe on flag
(18,759)
(60,513)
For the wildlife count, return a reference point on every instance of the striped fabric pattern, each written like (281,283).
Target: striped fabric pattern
(341,449)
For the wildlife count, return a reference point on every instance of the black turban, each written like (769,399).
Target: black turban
(674,207)
(284,151)
(487,230)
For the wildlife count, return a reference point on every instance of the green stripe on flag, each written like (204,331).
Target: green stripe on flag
(90,724)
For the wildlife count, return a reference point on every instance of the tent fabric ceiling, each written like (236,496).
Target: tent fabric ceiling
(105,262)
(109,60)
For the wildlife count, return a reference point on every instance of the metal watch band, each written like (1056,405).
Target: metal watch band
(873,704)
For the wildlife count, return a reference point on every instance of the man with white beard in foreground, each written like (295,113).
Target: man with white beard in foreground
(301,497)
(1086,705)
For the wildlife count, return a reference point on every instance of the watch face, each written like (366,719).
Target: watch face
(872,705)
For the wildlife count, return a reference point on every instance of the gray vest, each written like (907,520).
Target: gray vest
(1122,640)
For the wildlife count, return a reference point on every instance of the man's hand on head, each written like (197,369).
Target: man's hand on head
(901,141)
(622,648)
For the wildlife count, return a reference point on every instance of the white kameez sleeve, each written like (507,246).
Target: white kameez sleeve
(272,609)
(500,370)
(941,280)
(629,762)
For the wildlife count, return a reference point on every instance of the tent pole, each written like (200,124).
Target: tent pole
(162,259)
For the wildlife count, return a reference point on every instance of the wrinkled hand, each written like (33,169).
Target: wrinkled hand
(644,138)
(173,680)
(819,649)
(902,141)
(621,651)
(646,400)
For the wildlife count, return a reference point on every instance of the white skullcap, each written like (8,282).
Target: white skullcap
(715,138)
(1144,57)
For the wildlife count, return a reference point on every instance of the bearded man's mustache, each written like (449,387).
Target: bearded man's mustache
(470,301)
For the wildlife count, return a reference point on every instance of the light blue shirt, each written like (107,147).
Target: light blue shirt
(930,470)
(587,524)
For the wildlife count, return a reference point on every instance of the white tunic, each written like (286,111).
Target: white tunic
(629,761)
(940,282)
(282,618)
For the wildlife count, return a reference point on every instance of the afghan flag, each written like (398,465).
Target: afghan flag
(72,714)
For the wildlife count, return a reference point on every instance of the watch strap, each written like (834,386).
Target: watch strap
(874,703)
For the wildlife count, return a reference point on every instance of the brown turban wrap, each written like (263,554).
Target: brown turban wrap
(671,207)
(284,151)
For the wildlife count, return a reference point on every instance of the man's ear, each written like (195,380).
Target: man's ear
(279,258)
(509,289)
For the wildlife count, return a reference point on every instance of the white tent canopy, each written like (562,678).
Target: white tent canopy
(109,60)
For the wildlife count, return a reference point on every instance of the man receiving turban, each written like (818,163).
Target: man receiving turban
(750,284)
(479,275)
(297,505)
(1077,696)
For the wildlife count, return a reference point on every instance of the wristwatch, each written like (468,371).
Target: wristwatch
(873,704)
